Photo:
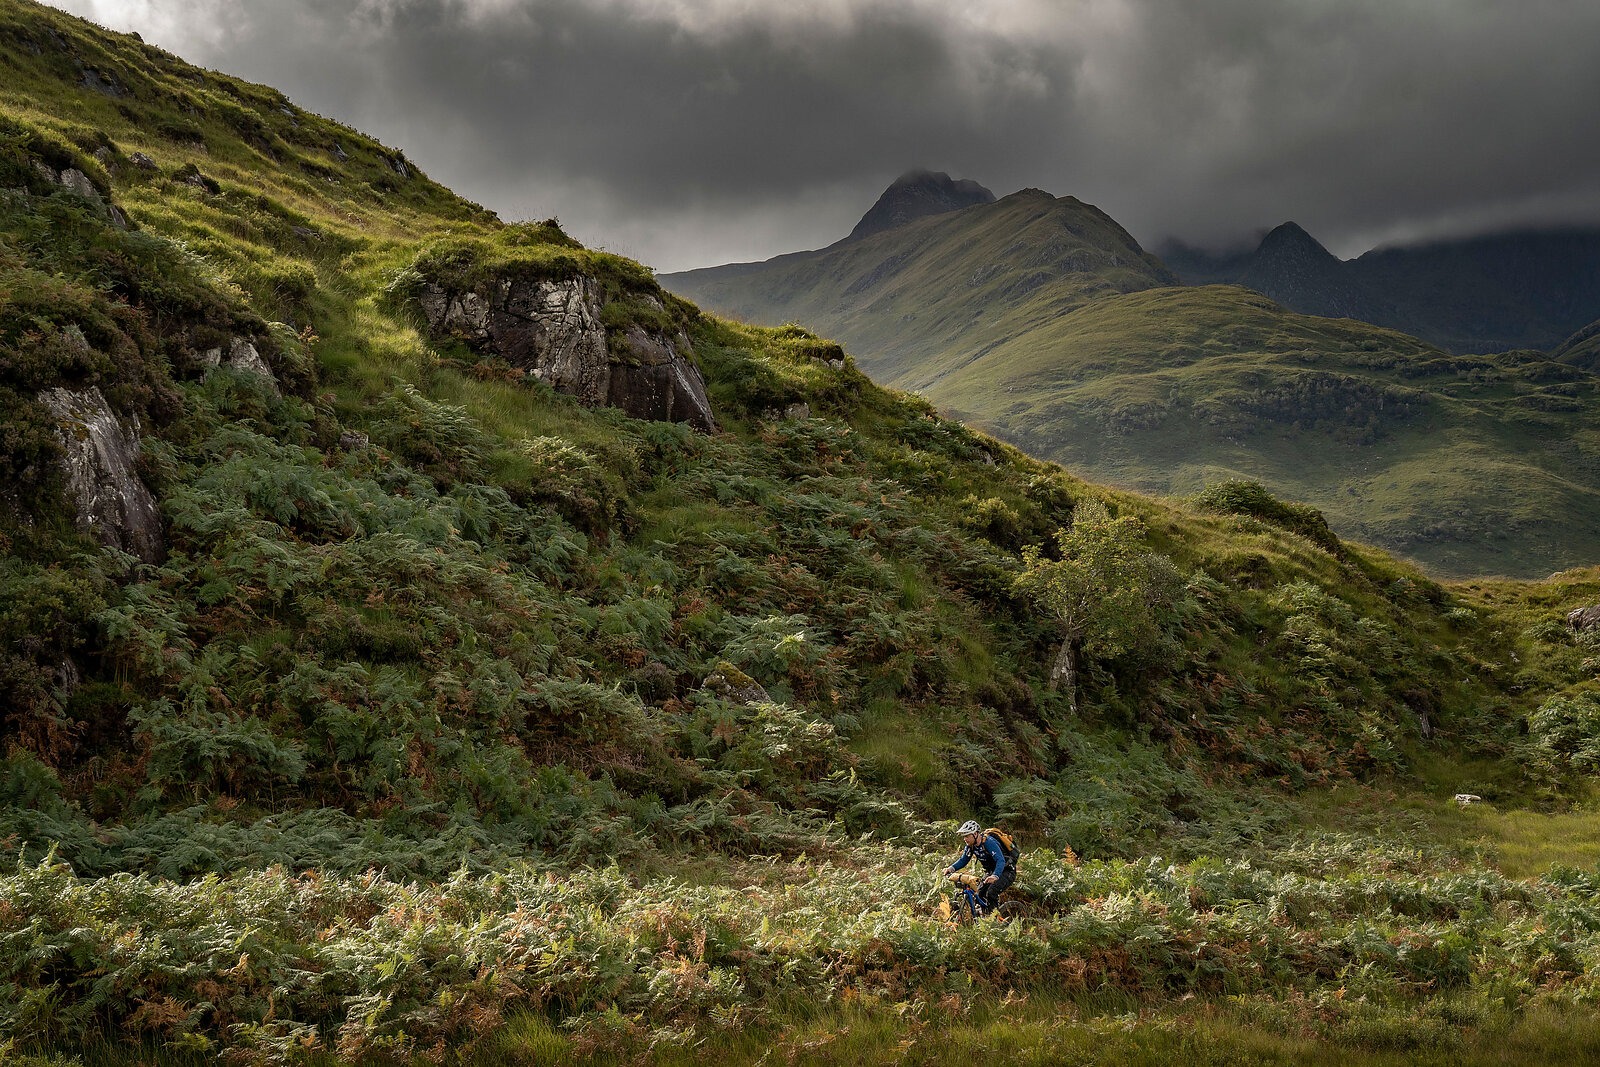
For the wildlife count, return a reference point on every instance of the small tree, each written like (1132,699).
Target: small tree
(1107,592)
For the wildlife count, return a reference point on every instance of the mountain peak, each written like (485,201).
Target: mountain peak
(917,194)
(1290,238)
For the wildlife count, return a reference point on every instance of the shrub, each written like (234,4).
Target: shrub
(1252,498)
(1566,731)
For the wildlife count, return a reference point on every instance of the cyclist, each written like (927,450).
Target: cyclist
(1000,869)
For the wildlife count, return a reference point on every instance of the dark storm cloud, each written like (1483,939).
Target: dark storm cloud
(687,132)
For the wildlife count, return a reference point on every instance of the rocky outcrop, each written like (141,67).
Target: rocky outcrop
(78,183)
(241,355)
(736,687)
(657,381)
(552,329)
(112,503)
(1584,619)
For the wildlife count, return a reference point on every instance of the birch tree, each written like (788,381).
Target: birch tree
(1107,592)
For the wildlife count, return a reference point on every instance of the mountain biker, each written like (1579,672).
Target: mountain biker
(1000,873)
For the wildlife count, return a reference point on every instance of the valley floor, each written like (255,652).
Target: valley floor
(1368,925)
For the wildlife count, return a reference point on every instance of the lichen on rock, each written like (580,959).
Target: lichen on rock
(554,329)
(241,355)
(112,502)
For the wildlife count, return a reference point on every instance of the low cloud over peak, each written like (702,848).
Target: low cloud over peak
(687,132)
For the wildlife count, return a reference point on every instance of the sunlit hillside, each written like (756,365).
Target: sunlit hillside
(424,637)
(1043,322)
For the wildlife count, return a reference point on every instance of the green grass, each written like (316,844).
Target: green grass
(1041,1029)
(904,751)
(1055,1030)
(408,747)
(1041,321)
(1518,841)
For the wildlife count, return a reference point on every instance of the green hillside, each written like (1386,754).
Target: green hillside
(918,301)
(441,710)
(1467,464)
(1582,349)
(1470,464)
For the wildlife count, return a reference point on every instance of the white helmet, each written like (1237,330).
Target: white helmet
(968,827)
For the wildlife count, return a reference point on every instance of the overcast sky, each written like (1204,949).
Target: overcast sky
(691,132)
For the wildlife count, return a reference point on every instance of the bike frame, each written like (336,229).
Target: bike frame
(973,904)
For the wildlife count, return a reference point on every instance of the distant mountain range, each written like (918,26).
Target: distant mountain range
(1043,320)
(1531,289)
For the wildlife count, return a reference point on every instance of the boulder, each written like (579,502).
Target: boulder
(241,355)
(73,181)
(656,381)
(111,501)
(76,181)
(1584,619)
(736,687)
(244,356)
(552,329)
(189,174)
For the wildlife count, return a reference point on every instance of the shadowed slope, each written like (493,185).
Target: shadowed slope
(1469,463)
(915,301)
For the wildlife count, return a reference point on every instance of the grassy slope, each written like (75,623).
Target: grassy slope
(479,647)
(1471,465)
(1582,349)
(918,300)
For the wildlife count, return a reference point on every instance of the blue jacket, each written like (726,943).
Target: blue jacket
(989,853)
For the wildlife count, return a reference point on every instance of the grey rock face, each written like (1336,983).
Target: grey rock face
(460,315)
(658,382)
(552,329)
(78,182)
(242,355)
(73,180)
(112,503)
(101,82)
(1584,618)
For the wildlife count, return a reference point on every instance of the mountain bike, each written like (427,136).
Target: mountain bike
(965,906)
